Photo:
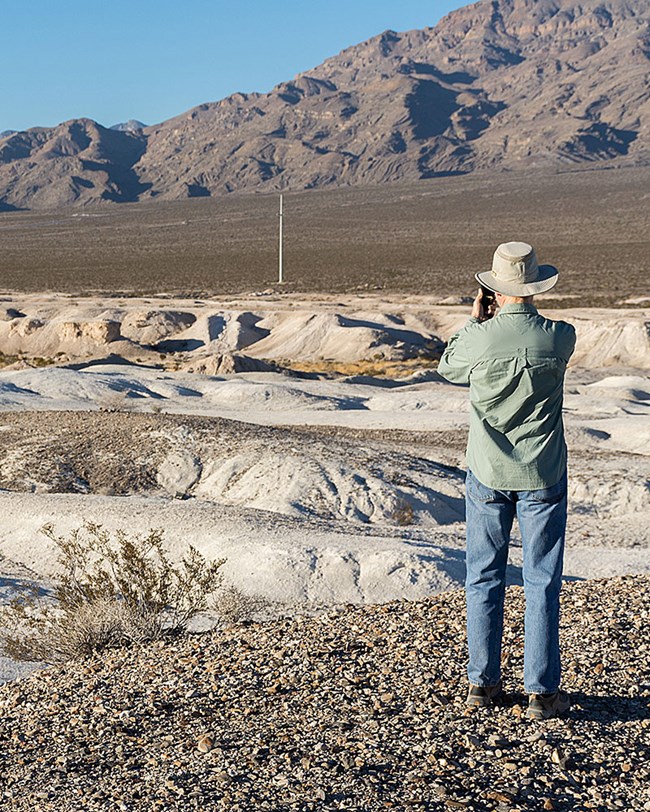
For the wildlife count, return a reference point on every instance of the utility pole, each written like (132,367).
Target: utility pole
(280,269)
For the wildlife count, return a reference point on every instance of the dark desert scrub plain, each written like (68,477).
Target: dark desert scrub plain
(425,237)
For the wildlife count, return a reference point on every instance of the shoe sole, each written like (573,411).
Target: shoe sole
(478,703)
(484,701)
(549,714)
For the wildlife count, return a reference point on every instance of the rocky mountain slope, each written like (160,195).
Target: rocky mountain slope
(499,84)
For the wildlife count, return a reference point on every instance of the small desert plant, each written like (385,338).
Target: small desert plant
(114,589)
(5,360)
(234,606)
(39,361)
(403,513)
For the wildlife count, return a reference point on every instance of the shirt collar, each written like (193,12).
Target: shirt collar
(518,307)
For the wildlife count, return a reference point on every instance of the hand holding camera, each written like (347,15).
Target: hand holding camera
(485,304)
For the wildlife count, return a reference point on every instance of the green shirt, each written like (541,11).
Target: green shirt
(514,364)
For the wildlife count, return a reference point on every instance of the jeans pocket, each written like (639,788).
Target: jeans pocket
(550,496)
(480,492)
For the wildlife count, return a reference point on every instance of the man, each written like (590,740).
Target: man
(514,364)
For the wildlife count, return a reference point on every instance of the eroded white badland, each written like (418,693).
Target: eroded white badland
(320,489)
(277,328)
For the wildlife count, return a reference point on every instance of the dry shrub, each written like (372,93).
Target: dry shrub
(403,513)
(6,360)
(114,590)
(234,606)
(376,367)
(50,634)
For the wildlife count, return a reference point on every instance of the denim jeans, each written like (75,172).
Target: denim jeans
(542,521)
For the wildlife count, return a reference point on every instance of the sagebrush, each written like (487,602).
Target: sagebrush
(114,589)
(234,606)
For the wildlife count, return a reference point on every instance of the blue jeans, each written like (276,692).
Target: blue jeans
(542,521)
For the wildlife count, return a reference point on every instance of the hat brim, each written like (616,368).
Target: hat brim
(546,279)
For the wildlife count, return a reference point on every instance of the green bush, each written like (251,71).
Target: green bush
(114,590)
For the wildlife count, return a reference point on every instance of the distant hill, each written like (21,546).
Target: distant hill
(77,162)
(501,84)
(130,126)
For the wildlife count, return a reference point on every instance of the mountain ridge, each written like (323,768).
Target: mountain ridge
(500,84)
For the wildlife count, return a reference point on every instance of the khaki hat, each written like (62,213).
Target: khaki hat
(516,272)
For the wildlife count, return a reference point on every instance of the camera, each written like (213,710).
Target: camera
(488,302)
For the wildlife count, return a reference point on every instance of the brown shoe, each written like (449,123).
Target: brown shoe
(546,706)
(482,696)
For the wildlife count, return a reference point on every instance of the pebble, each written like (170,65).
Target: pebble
(537,736)
(558,757)
(205,743)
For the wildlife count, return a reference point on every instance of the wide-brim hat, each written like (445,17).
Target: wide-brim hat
(516,272)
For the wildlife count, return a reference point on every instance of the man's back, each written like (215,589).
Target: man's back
(514,364)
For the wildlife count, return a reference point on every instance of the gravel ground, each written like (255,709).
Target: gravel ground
(358,708)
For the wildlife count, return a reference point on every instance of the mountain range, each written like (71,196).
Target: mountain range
(497,85)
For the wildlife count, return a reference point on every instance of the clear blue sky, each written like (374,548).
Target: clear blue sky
(112,60)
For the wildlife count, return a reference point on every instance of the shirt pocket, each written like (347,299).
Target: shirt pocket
(548,370)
